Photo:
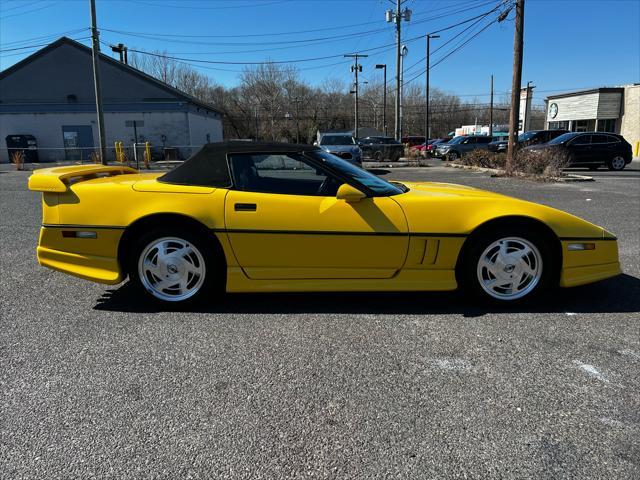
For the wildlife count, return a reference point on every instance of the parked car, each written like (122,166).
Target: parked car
(413,140)
(525,139)
(433,144)
(380,148)
(589,149)
(273,217)
(341,145)
(456,147)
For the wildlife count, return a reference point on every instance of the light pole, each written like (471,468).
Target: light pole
(403,53)
(426,117)
(384,97)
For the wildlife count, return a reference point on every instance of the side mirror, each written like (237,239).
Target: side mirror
(315,144)
(349,194)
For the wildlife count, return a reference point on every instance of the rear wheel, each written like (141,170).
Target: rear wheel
(173,266)
(617,163)
(504,266)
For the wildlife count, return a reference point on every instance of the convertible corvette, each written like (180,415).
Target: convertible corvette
(266,217)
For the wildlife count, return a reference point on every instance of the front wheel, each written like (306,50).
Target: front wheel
(173,266)
(501,266)
(453,156)
(617,163)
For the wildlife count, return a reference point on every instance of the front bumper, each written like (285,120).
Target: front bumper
(587,266)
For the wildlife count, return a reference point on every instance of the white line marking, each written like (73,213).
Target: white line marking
(629,353)
(457,364)
(591,371)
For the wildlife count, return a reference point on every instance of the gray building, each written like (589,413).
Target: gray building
(615,109)
(50,95)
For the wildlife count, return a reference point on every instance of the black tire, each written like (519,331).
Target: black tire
(209,285)
(616,163)
(453,156)
(467,271)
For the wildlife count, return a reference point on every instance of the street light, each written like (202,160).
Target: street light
(403,53)
(384,98)
(426,117)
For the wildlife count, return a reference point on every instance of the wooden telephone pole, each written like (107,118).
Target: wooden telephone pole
(518,40)
(95,54)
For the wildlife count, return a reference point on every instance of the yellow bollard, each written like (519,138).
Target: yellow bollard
(637,149)
(147,154)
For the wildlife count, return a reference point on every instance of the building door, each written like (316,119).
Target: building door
(78,142)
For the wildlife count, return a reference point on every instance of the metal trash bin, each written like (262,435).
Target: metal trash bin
(25,143)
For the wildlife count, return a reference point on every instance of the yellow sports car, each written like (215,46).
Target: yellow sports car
(267,217)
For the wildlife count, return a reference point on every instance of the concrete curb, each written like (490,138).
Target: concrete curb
(571,177)
(403,162)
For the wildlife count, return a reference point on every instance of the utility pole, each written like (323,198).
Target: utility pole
(426,117)
(397,16)
(356,67)
(121,49)
(95,53)
(296,100)
(384,98)
(525,119)
(518,40)
(491,110)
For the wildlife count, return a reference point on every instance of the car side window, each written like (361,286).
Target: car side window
(582,140)
(612,139)
(483,139)
(599,139)
(282,173)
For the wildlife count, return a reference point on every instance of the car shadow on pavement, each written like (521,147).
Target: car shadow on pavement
(620,294)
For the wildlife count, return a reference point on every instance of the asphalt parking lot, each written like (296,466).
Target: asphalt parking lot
(96,383)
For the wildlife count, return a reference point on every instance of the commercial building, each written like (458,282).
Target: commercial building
(615,109)
(50,95)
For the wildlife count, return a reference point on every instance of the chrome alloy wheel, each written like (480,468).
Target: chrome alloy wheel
(171,269)
(509,268)
(618,163)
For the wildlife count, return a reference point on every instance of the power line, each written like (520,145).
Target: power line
(28,11)
(324,29)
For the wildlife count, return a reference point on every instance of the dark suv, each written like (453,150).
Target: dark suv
(589,149)
(458,146)
(380,148)
(533,137)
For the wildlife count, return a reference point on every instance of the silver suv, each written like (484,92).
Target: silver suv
(343,146)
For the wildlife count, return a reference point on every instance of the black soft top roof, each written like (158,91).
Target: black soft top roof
(209,167)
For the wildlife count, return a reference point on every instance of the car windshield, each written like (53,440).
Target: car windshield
(526,136)
(377,185)
(562,138)
(337,140)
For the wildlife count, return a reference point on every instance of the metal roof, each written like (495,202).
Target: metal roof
(127,68)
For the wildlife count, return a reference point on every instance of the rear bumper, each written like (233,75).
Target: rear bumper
(94,259)
(90,267)
(588,266)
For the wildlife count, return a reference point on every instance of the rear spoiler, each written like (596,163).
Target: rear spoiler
(58,179)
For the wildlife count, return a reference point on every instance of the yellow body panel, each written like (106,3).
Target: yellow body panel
(410,241)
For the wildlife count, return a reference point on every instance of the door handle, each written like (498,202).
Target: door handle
(245,207)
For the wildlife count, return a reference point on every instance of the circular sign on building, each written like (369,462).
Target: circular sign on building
(553,110)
